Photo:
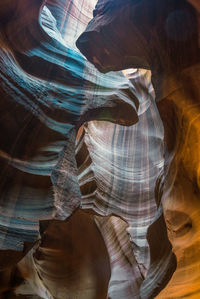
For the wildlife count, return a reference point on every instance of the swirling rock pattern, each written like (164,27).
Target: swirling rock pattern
(164,37)
(129,197)
(54,90)
(181,200)
(118,169)
(47,91)
(117,166)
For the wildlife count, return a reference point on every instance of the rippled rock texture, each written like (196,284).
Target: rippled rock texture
(163,37)
(48,91)
(105,200)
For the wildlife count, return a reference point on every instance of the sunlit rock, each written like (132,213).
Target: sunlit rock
(181,201)
(162,36)
(48,91)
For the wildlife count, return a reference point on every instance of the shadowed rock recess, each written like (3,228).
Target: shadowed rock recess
(162,36)
(99,189)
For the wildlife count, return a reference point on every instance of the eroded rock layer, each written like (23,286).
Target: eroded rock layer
(162,36)
(47,91)
(117,243)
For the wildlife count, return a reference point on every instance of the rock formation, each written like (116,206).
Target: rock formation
(163,37)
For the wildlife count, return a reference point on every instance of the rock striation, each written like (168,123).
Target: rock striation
(48,91)
(163,37)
